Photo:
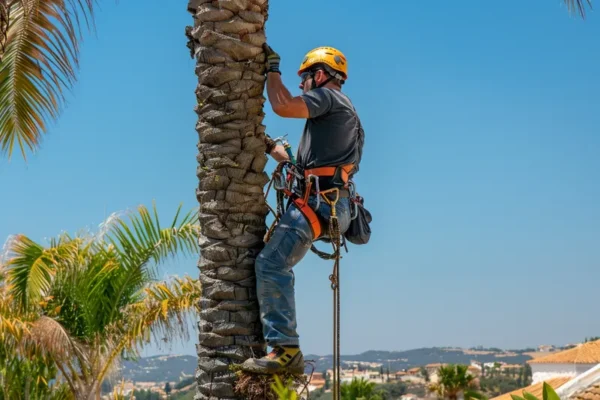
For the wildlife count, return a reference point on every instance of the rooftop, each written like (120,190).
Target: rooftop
(586,353)
(591,393)
(536,389)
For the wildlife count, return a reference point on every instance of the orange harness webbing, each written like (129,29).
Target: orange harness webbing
(302,203)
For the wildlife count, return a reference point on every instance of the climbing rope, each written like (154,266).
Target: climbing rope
(335,237)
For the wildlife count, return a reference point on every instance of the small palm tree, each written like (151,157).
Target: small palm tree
(85,302)
(359,390)
(454,380)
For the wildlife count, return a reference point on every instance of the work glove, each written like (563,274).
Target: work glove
(270,143)
(273,59)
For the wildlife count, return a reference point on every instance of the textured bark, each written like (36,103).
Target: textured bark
(226,42)
(4,21)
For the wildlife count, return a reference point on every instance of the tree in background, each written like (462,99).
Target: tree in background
(83,303)
(327,380)
(392,391)
(454,381)
(424,373)
(527,375)
(359,389)
(167,389)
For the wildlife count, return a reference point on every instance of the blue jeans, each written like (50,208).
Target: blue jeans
(289,243)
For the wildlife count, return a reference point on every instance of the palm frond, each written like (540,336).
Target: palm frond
(578,6)
(30,267)
(163,310)
(30,271)
(139,239)
(55,341)
(39,62)
(162,313)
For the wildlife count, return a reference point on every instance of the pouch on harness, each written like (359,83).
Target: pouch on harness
(359,231)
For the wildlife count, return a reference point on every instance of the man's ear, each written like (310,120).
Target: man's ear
(320,76)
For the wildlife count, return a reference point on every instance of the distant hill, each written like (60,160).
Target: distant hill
(163,368)
(399,360)
(173,368)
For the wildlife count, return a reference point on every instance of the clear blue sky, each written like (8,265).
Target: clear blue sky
(481,162)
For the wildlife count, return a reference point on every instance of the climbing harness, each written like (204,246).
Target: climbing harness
(286,179)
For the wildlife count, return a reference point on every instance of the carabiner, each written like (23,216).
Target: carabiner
(318,190)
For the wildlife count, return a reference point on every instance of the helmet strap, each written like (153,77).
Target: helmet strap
(326,81)
(314,83)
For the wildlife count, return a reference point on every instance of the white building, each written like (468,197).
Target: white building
(568,363)
(573,373)
(409,396)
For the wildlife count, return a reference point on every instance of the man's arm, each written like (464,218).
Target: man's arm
(282,101)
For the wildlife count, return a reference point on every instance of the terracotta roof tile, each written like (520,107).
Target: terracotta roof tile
(591,393)
(537,389)
(587,353)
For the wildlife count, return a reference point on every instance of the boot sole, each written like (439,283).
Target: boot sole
(268,371)
(259,369)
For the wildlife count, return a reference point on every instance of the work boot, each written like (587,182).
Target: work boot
(280,359)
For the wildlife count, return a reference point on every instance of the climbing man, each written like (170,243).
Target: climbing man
(331,149)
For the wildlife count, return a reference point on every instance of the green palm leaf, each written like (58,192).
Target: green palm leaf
(31,267)
(139,240)
(529,396)
(549,393)
(473,395)
(161,312)
(38,62)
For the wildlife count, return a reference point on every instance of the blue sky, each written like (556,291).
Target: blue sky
(480,166)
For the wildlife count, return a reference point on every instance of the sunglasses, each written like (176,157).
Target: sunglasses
(305,75)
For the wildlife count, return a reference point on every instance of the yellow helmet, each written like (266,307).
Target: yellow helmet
(329,56)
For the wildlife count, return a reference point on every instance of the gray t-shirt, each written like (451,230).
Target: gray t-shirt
(333,134)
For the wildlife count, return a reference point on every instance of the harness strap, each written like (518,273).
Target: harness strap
(331,171)
(311,216)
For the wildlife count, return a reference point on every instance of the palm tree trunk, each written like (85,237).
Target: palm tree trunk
(226,42)
(4,20)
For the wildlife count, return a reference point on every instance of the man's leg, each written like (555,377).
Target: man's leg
(275,289)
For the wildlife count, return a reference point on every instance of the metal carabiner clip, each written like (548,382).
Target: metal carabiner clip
(318,190)
(279,181)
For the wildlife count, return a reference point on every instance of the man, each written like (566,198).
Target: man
(332,137)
